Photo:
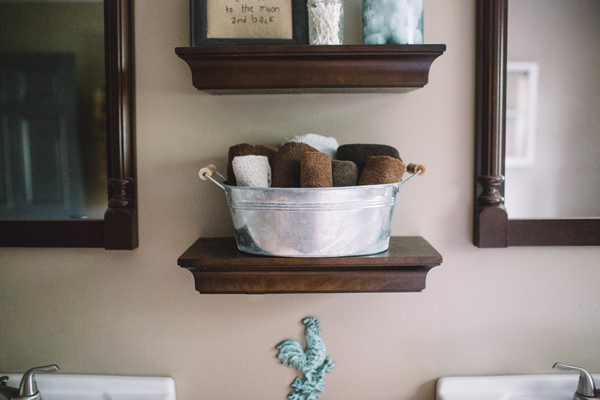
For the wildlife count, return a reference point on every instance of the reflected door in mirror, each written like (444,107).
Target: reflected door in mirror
(40,172)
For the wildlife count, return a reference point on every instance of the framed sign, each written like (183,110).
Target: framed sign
(246,22)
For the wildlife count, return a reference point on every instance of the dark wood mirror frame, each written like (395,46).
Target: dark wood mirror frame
(119,228)
(491,225)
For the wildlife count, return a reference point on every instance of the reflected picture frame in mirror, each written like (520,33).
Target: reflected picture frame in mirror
(492,226)
(118,230)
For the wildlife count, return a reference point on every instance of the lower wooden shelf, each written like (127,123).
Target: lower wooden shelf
(219,267)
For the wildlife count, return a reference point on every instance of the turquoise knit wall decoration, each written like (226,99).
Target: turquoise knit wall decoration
(312,362)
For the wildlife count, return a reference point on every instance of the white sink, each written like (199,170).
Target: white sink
(511,387)
(99,387)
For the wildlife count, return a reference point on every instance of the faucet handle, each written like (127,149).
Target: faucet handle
(586,387)
(28,386)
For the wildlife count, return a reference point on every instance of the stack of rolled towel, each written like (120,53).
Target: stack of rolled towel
(313,161)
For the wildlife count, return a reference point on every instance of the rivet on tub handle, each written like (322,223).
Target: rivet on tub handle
(207,173)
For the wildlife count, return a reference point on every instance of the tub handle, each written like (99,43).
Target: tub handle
(414,169)
(207,173)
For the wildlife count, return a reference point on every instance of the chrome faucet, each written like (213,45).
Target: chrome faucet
(28,388)
(585,389)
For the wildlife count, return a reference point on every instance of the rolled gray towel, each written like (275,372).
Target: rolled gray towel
(252,171)
(345,173)
(327,145)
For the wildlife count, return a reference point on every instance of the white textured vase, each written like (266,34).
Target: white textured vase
(325,22)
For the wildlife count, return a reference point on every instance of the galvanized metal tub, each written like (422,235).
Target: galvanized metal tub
(312,222)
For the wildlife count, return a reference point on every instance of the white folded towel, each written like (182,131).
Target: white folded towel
(252,171)
(324,144)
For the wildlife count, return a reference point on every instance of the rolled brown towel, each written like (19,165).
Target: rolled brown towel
(382,170)
(245,149)
(315,170)
(285,166)
(344,173)
(360,153)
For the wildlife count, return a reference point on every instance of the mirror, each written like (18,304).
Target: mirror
(67,176)
(552,100)
(53,164)
(503,139)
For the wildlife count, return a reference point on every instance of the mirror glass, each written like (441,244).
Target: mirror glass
(553,109)
(52,110)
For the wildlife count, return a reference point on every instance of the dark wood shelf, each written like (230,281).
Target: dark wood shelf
(218,267)
(304,68)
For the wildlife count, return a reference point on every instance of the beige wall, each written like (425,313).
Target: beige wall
(485,311)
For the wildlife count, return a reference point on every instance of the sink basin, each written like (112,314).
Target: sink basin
(100,387)
(510,387)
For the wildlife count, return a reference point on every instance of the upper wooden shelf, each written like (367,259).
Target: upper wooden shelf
(218,267)
(305,68)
